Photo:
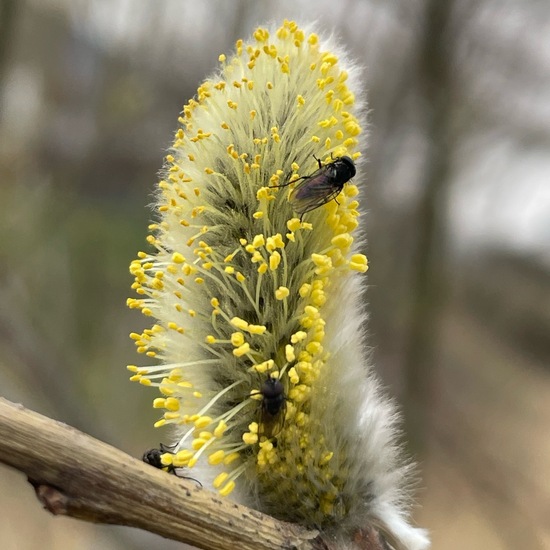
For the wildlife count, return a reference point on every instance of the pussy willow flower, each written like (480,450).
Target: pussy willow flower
(243,289)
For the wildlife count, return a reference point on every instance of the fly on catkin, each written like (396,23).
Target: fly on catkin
(254,280)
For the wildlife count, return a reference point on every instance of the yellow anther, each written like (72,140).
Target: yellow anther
(299,393)
(250,438)
(343,241)
(181,458)
(320,260)
(289,353)
(219,480)
(274,261)
(261,35)
(351,190)
(264,193)
(166,459)
(231,457)
(299,336)
(237,339)
(293,376)
(276,241)
(253,427)
(359,263)
(202,422)
(314,348)
(227,489)
(172,404)
(256,329)
(220,429)
(312,312)
(312,39)
(241,350)
(266,446)
(318,298)
(216,458)
(239,323)
(305,289)
(352,127)
(198,442)
(282,292)
(265,366)
(293,224)
(349,143)
(258,241)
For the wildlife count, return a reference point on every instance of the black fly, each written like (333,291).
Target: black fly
(153,458)
(324,185)
(273,407)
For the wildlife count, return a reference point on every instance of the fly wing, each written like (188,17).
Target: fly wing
(315,191)
(271,425)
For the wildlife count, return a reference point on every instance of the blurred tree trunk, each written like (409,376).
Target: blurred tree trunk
(8,16)
(428,284)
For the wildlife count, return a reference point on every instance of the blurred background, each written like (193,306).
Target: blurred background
(457,212)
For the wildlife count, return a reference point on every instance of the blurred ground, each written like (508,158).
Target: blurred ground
(487,473)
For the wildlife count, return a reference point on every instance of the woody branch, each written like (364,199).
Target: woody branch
(78,476)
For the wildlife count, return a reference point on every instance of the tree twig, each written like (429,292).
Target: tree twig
(79,476)
(76,475)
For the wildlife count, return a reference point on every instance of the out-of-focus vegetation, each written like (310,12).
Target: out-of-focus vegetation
(457,210)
